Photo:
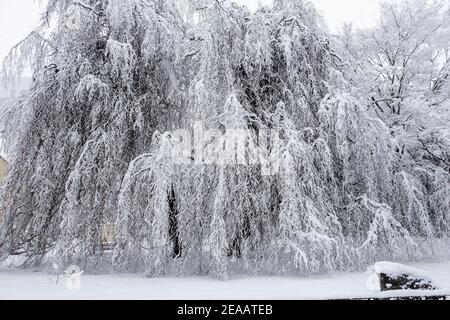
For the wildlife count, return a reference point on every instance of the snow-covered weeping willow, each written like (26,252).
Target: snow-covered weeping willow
(98,144)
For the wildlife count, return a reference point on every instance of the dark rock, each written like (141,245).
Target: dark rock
(404,282)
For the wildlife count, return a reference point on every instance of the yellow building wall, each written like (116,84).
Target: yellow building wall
(2,177)
(2,170)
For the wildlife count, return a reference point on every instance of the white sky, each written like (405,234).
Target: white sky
(18,17)
(17,20)
(362,13)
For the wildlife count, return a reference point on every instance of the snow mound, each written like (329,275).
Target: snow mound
(396,269)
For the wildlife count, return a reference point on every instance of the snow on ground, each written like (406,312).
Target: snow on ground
(29,285)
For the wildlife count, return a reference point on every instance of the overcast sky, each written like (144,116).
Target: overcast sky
(18,17)
(362,13)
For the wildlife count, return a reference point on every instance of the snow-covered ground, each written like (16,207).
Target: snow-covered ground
(16,284)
